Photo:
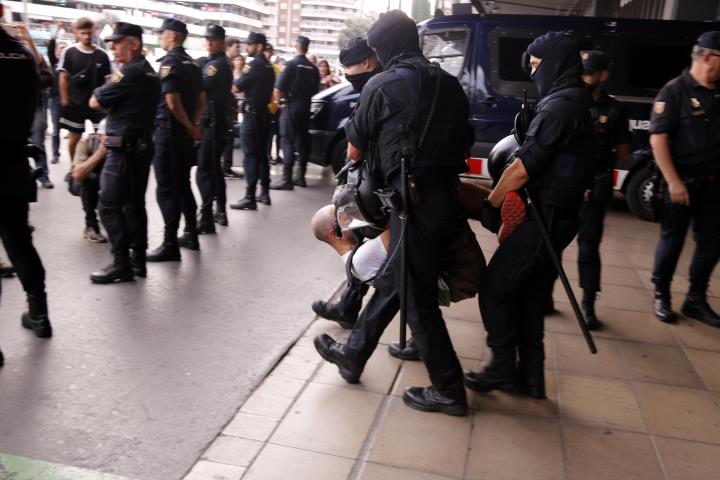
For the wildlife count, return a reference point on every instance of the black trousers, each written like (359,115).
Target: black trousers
(253,134)
(123,183)
(515,288)
(17,239)
(431,226)
(294,133)
(590,232)
(174,157)
(229,146)
(704,211)
(209,175)
(90,195)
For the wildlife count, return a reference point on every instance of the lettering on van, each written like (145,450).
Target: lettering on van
(639,125)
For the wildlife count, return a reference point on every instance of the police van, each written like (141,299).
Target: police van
(488,55)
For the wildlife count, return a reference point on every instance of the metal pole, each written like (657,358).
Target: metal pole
(403,252)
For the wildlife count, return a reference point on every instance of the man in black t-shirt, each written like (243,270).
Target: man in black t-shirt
(83,67)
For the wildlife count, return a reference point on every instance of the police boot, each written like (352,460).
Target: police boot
(220,218)
(662,307)
(169,251)
(501,374)
(299,178)
(189,240)
(697,307)
(137,262)
(119,270)
(2,359)
(410,352)
(334,352)
(247,203)
(286,182)
(345,312)
(36,318)
(532,373)
(206,222)
(429,399)
(264,196)
(588,308)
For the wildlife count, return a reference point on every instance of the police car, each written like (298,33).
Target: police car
(487,54)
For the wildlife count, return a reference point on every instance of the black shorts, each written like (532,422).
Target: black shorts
(73,118)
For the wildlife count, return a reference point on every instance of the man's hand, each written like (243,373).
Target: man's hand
(195,133)
(489,216)
(679,193)
(354,153)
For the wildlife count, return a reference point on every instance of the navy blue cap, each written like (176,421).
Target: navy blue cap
(303,41)
(172,24)
(709,40)
(355,52)
(594,61)
(122,30)
(542,44)
(255,38)
(214,31)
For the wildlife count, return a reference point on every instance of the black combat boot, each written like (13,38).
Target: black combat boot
(137,262)
(206,222)
(531,368)
(501,374)
(661,305)
(169,251)
(2,359)
(299,178)
(334,352)
(588,307)
(346,310)
(697,307)
(189,240)
(264,196)
(286,183)
(410,352)
(36,318)
(247,203)
(220,217)
(428,399)
(119,270)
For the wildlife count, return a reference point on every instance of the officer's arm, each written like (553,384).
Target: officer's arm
(513,178)
(174,103)
(200,109)
(360,123)
(283,82)
(661,151)
(95,105)
(247,79)
(80,171)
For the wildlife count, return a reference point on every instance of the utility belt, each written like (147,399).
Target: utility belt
(248,108)
(136,143)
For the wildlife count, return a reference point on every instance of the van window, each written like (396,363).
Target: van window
(651,67)
(512,61)
(447,47)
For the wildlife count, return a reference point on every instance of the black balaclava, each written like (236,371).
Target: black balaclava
(560,67)
(394,34)
(359,80)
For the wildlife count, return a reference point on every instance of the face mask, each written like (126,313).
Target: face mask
(359,80)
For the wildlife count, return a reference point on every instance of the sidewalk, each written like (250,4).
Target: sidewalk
(647,406)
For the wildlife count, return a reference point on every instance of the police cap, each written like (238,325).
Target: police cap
(594,61)
(255,38)
(215,31)
(122,30)
(709,40)
(355,52)
(172,24)
(303,41)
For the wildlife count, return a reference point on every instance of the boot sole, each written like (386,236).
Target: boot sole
(697,316)
(346,374)
(102,281)
(452,410)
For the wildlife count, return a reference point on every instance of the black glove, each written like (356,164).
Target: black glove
(490,217)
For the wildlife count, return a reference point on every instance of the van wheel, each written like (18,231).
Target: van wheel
(338,155)
(639,194)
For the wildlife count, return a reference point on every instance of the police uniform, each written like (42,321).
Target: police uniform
(17,188)
(391,114)
(557,156)
(175,149)
(217,77)
(130,97)
(299,82)
(689,114)
(611,130)
(257,83)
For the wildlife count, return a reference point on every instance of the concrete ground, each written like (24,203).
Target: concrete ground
(647,406)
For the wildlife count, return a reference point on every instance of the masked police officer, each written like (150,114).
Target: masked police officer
(685,139)
(395,108)
(555,165)
(293,91)
(257,84)
(181,106)
(611,144)
(130,98)
(18,69)
(217,77)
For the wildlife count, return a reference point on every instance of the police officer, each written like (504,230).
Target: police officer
(555,165)
(685,139)
(293,91)
(217,77)
(18,69)
(611,144)
(130,98)
(257,84)
(395,108)
(181,106)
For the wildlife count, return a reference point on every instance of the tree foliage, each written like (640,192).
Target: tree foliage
(356,26)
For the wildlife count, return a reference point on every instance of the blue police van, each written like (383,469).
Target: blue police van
(487,54)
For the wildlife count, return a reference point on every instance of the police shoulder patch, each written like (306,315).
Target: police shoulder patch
(603,118)
(117,76)
(211,70)
(695,102)
(165,70)
(659,107)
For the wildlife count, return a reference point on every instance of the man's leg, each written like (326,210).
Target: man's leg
(251,164)
(54,103)
(189,239)
(217,174)
(167,196)
(38,138)
(264,163)
(135,211)
(205,180)
(288,148)
(90,198)
(302,145)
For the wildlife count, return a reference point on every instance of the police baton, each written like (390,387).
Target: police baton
(561,273)
(403,250)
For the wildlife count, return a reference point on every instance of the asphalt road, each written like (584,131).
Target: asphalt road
(141,376)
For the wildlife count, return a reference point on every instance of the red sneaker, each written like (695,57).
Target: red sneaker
(512,214)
